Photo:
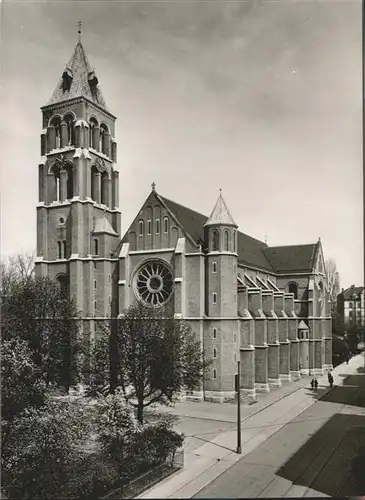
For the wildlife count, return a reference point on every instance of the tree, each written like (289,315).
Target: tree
(22,385)
(39,312)
(99,362)
(43,447)
(158,357)
(333,280)
(13,270)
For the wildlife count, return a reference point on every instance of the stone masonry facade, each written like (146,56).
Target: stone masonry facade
(267,307)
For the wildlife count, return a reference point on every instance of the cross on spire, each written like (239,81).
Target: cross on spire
(153,186)
(79,25)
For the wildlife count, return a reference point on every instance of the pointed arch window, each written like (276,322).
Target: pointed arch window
(141,227)
(59,250)
(214,352)
(226,241)
(64,247)
(149,226)
(234,240)
(214,267)
(214,373)
(157,226)
(214,298)
(215,241)
(165,224)
(293,288)
(214,333)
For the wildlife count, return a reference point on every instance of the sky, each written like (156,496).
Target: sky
(259,98)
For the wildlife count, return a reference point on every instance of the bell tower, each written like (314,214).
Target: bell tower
(78,219)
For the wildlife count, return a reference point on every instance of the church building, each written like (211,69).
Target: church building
(265,306)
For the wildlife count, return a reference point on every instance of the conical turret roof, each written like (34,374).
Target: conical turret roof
(220,214)
(78,80)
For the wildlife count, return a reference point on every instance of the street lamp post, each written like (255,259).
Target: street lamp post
(238,383)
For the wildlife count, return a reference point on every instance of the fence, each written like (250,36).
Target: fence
(142,483)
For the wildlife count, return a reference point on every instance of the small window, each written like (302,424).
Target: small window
(141,227)
(215,241)
(157,226)
(226,241)
(214,267)
(214,373)
(293,288)
(61,221)
(149,224)
(214,333)
(96,247)
(95,305)
(350,305)
(94,265)
(166,224)
(94,284)
(59,247)
(214,352)
(234,241)
(214,298)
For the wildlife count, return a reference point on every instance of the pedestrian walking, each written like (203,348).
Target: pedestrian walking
(312,383)
(330,379)
(315,384)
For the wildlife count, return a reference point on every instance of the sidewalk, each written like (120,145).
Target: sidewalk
(259,421)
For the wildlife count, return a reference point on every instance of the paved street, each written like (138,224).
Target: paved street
(282,438)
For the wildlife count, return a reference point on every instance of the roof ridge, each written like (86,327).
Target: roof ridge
(298,245)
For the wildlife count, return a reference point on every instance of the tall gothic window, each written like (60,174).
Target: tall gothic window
(215,241)
(96,246)
(226,241)
(69,120)
(56,123)
(103,139)
(92,126)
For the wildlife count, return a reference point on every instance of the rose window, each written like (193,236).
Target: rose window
(154,283)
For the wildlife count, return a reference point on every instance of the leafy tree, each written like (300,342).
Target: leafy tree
(43,447)
(39,312)
(21,383)
(13,270)
(100,362)
(333,280)
(159,356)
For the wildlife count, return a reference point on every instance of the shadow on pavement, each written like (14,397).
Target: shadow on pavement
(327,462)
(352,392)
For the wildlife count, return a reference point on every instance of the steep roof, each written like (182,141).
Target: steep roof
(291,258)
(251,252)
(82,78)
(348,294)
(220,214)
(249,249)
